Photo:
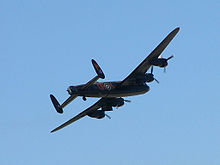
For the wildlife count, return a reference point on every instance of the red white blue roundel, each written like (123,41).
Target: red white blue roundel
(107,86)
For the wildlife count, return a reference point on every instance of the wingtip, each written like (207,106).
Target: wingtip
(53,130)
(177,29)
(92,60)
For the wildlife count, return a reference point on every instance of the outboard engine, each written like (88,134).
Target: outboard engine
(161,62)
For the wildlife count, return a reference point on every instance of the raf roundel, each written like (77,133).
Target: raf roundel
(107,86)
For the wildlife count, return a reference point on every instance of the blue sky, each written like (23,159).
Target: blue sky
(46,46)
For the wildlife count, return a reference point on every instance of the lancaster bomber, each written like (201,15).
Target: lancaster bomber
(111,93)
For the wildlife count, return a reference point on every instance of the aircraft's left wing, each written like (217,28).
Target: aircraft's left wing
(145,65)
(82,114)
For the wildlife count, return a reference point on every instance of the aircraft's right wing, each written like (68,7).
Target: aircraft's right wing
(145,65)
(82,114)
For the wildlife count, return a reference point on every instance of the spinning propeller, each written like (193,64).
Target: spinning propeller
(166,61)
(151,72)
(128,101)
(109,117)
(170,57)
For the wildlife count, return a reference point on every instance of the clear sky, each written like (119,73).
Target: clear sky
(47,45)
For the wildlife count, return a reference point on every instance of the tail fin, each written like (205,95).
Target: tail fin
(56,104)
(98,69)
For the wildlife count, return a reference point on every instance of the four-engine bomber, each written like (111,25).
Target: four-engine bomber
(111,93)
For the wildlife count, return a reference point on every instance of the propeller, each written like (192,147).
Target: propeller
(157,81)
(167,60)
(127,101)
(109,117)
(170,57)
(151,71)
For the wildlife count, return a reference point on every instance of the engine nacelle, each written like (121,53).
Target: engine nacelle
(112,102)
(107,108)
(161,62)
(98,114)
(148,77)
(117,102)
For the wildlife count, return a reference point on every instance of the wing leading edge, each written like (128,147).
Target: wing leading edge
(145,64)
(80,115)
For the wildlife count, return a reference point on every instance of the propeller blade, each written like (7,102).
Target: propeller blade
(164,70)
(128,101)
(170,57)
(156,80)
(151,69)
(108,116)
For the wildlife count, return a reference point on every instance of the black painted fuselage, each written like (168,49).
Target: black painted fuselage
(108,89)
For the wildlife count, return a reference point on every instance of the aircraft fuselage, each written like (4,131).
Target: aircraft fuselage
(108,89)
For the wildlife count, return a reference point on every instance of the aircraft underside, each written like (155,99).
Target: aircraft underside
(109,90)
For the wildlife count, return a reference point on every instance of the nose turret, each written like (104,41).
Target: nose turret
(72,90)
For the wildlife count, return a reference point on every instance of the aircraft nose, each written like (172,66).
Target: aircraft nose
(71,90)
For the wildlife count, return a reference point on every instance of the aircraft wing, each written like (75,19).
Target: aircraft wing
(80,115)
(145,64)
